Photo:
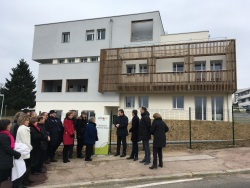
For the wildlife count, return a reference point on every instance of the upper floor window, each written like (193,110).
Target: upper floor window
(94,59)
(130,102)
(143,68)
(65,37)
(142,30)
(71,60)
(52,86)
(90,35)
(61,60)
(130,69)
(216,65)
(200,66)
(143,101)
(178,102)
(84,60)
(100,34)
(178,67)
(80,85)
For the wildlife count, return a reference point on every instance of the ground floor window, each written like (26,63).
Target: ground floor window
(200,108)
(130,102)
(178,102)
(217,108)
(143,101)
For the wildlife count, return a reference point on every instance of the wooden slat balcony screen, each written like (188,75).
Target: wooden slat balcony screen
(112,79)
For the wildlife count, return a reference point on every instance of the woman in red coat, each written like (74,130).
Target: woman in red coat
(68,135)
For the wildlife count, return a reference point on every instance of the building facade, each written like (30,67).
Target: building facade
(242,97)
(101,65)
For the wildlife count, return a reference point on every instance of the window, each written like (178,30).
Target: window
(130,102)
(178,67)
(142,30)
(52,86)
(143,101)
(130,69)
(59,114)
(217,108)
(77,85)
(71,60)
(90,35)
(94,59)
(100,34)
(65,37)
(200,66)
(84,60)
(178,102)
(216,66)
(61,60)
(200,108)
(143,68)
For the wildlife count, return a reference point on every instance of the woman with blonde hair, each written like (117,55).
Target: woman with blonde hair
(158,129)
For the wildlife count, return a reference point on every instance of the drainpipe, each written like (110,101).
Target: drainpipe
(110,32)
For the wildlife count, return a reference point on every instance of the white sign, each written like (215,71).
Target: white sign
(102,125)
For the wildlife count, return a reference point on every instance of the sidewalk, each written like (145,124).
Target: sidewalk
(177,164)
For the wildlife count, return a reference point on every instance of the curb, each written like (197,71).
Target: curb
(168,177)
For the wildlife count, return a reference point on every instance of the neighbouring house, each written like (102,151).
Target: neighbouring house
(242,97)
(127,61)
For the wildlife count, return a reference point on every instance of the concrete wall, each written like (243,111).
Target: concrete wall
(185,37)
(48,37)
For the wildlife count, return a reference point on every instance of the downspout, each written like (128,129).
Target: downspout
(228,109)
(110,32)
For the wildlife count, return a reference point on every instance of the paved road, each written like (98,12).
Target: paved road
(227,181)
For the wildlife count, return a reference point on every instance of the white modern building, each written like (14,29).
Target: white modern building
(242,97)
(103,64)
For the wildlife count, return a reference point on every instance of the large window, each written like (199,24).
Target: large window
(130,102)
(178,102)
(178,67)
(65,37)
(217,108)
(199,67)
(52,86)
(143,101)
(61,61)
(142,30)
(94,59)
(130,69)
(71,60)
(77,85)
(216,66)
(100,34)
(200,108)
(143,68)
(90,35)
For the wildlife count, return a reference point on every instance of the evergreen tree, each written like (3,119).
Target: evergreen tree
(19,90)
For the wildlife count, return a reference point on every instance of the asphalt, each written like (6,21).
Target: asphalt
(177,164)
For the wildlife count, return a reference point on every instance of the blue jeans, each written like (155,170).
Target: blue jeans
(147,150)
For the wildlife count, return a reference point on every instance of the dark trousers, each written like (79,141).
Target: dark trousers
(156,151)
(134,152)
(27,173)
(66,152)
(71,150)
(52,150)
(124,144)
(146,150)
(17,183)
(79,147)
(89,151)
(39,166)
(36,159)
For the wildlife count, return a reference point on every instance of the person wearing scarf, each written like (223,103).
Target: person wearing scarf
(7,151)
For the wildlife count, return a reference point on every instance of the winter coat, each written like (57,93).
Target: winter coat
(122,130)
(144,127)
(7,153)
(159,129)
(54,127)
(44,142)
(135,129)
(23,136)
(81,124)
(90,135)
(68,134)
(14,129)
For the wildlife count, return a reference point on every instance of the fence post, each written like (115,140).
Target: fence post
(233,125)
(190,129)
(110,131)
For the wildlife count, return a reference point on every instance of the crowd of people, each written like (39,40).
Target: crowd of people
(41,135)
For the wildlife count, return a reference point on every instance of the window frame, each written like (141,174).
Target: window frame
(133,98)
(133,68)
(175,102)
(139,100)
(99,35)
(63,37)
(145,65)
(175,67)
(90,32)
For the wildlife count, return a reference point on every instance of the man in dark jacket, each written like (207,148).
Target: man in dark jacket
(122,131)
(134,137)
(144,134)
(55,129)
(80,129)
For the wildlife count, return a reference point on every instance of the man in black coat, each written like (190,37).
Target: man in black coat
(55,129)
(144,134)
(134,137)
(122,132)
(81,124)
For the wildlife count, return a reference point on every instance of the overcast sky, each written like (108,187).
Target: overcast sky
(223,18)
